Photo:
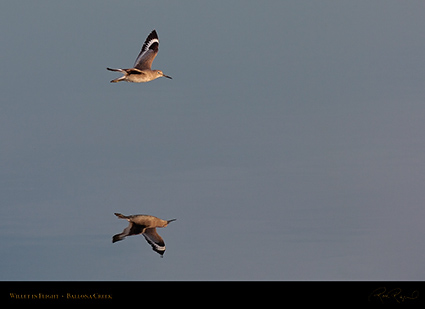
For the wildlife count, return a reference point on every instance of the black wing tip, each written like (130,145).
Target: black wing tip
(116,238)
(160,252)
(155,246)
(153,45)
(152,35)
(153,32)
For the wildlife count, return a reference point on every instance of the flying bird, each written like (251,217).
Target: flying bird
(141,71)
(145,225)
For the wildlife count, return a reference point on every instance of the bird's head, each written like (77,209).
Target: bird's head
(160,73)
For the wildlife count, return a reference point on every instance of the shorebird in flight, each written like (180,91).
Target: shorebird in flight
(145,225)
(141,71)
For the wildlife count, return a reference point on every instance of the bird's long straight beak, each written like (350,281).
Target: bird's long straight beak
(167,76)
(171,220)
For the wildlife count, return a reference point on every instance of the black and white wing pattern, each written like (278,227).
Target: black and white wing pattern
(156,241)
(148,52)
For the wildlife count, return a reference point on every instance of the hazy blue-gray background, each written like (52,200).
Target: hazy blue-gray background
(289,145)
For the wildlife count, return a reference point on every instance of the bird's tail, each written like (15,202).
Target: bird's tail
(116,70)
(119,78)
(121,216)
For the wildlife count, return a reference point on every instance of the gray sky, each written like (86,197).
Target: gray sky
(289,143)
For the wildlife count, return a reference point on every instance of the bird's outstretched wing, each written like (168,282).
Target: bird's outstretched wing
(148,52)
(131,229)
(156,241)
